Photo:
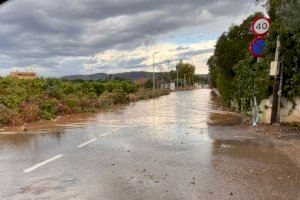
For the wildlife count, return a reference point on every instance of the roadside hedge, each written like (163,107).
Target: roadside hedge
(46,98)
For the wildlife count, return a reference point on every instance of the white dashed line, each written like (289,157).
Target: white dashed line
(61,155)
(86,143)
(42,163)
(103,135)
(99,136)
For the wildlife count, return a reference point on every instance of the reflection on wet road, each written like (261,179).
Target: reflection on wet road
(156,149)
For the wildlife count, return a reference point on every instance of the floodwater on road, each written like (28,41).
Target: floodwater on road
(157,149)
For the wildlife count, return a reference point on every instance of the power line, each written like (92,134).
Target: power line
(236,13)
(250,4)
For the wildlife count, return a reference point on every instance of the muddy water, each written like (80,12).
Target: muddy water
(156,149)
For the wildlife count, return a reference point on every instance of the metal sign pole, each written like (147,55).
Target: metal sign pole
(260,28)
(280,91)
(255,106)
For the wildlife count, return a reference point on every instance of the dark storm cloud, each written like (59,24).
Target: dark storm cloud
(44,32)
(196,52)
(182,48)
(132,62)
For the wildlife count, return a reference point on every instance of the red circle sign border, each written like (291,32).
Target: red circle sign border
(254,21)
(251,50)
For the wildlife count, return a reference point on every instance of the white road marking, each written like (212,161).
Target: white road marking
(61,155)
(42,163)
(103,135)
(108,133)
(247,137)
(86,143)
(116,129)
(99,136)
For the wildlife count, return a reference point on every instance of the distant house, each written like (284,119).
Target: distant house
(23,75)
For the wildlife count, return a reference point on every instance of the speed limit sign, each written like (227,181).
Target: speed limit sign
(260,26)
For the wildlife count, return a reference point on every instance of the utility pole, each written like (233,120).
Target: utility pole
(177,77)
(91,72)
(169,74)
(153,75)
(275,117)
(278,45)
(177,69)
(280,90)
(255,105)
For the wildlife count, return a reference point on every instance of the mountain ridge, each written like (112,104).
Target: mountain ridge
(132,76)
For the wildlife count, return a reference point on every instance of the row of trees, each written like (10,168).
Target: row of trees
(236,73)
(186,75)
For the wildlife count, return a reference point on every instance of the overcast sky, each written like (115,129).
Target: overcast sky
(64,37)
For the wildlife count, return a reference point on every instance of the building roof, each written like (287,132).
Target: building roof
(23,73)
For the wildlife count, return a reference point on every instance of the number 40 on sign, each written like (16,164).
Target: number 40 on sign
(260,26)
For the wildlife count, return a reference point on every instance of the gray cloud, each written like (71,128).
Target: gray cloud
(195,53)
(182,48)
(43,33)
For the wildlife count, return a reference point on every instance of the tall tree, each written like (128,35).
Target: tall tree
(185,70)
(236,74)
(231,48)
(285,15)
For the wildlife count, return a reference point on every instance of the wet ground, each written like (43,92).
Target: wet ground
(156,149)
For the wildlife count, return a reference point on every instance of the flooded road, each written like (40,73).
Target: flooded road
(156,149)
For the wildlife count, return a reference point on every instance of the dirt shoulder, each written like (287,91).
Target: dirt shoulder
(286,139)
(71,120)
(229,125)
(45,125)
(283,138)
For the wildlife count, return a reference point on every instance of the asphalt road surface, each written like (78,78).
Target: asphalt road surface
(156,149)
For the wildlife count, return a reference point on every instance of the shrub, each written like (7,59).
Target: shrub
(55,91)
(46,98)
(72,101)
(13,97)
(64,109)
(117,96)
(7,116)
(30,112)
(49,108)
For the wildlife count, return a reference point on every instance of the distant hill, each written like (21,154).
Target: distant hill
(132,76)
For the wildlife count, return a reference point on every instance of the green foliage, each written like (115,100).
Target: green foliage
(30,100)
(117,96)
(231,68)
(55,91)
(285,17)
(49,108)
(185,70)
(149,83)
(251,79)
(213,70)
(7,115)
(144,94)
(236,74)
